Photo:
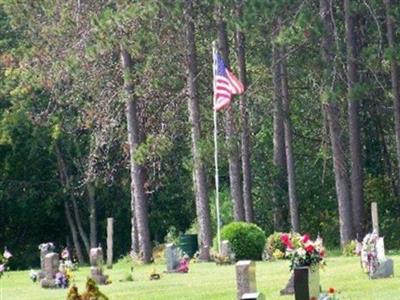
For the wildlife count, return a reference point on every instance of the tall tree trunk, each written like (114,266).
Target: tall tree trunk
(92,214)
(67,210)
(78,219)
(354,124)
(137,174)
(245,135)
(293,203)
(394,77)
(200,182)
(231,133)
(335,130)
(75,207)
(279,156)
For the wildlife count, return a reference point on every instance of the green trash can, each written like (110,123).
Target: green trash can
(188,244)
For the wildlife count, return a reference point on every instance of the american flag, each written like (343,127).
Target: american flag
(225,84)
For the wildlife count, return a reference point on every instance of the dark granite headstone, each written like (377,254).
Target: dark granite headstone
(306,284)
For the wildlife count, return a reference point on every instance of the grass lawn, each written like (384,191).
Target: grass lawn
(208,281)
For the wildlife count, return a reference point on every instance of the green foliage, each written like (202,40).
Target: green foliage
(274,246)
(350,249)
(247,240)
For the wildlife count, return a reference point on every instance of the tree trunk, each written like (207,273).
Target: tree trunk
(140,215)
(70,220)
(92,214)
(231,133)
(335,130)
(245,135)
(279,156)
(394,77)
(75,207)
(354,124)
(293,202)
(200,182)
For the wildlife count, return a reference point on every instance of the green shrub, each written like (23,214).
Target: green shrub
(247,240)
(350,249)
(274,247)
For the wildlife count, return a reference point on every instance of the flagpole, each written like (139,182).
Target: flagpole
(214,49)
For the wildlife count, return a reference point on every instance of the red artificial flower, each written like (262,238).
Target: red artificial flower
(322,253)
(309,248)
(286,241)
(305,238)
(331,290)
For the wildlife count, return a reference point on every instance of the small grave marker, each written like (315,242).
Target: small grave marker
(172,258)
(96,269)
(245,277)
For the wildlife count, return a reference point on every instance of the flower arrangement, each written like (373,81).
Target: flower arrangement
(302,251)
(46,247)
(330,294)
(369,253)
(4,260)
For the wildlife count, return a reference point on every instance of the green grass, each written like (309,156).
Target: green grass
(208,281)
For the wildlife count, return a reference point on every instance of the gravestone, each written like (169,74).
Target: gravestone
(51,265)
(96,269)
(226,249)
(245,277)
(306,284)
(172,258)
(45,248)
(289,288)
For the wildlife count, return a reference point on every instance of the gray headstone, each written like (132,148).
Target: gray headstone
(96,273)
(380,250)
(171,257)
(289,288)
(253,296)
(51,264)
(226,249)
(384,270)
(306,284)
(245,277)
(96,257)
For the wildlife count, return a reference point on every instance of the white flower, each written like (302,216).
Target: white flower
(301,252)
(7,254)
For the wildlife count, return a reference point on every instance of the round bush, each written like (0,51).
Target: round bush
(247,240)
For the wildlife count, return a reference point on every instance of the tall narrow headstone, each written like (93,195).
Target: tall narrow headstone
(306,284)
(374,215)
(245,277)
(171,257)
(110,230)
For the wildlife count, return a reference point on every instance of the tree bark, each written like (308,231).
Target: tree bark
(245,135)
(354,124)
(140,214)
(231,133)
(92,214)
(200,182)
(67,210)
(394,71)
(279,155)
(293,202)
(335,130)
(75,207)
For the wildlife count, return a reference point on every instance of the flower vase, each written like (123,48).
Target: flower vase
(306,283)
